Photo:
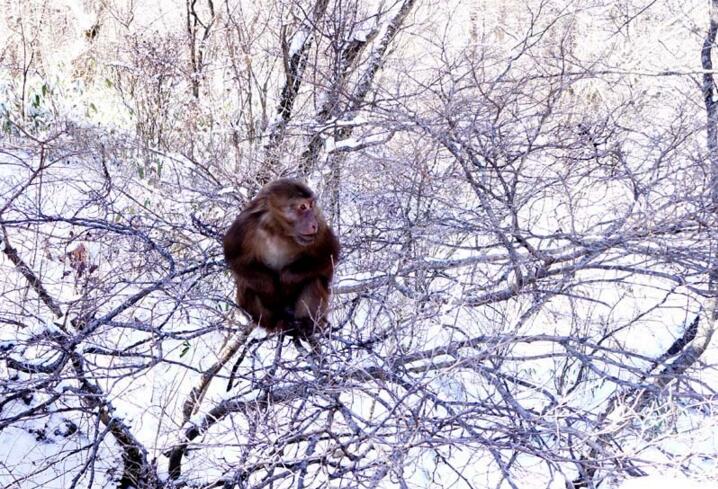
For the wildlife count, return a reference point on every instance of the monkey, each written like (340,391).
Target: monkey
(282,254)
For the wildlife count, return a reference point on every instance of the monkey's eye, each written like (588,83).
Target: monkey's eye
(303,207)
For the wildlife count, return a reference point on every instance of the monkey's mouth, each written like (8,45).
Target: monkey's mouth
(305,239)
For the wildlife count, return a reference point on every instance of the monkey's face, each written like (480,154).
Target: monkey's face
(292,206)
(302,214)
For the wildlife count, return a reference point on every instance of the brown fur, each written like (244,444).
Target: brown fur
(281,266)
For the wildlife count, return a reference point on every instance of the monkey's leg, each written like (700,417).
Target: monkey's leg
(310,309)
(260,308)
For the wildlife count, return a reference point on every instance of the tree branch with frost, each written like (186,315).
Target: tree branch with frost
(378,57)
(476,354)
(294,55)
(375,61)
(696,338)
(709,98)
(30,276)
(331,106)
(627,404)
(197,48)
(138,472)
(349,145)
(195,397)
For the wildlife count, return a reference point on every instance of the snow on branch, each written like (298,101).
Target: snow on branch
(294,57)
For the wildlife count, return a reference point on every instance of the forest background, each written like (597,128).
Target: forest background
(526,193)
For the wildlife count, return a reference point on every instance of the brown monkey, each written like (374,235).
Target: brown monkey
(282,254)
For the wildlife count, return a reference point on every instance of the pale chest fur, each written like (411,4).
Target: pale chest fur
(275,252)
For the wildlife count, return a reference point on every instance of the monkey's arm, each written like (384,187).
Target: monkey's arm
(319,264)
(305,270)
(255,276)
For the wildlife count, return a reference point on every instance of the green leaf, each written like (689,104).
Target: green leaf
(185,348)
